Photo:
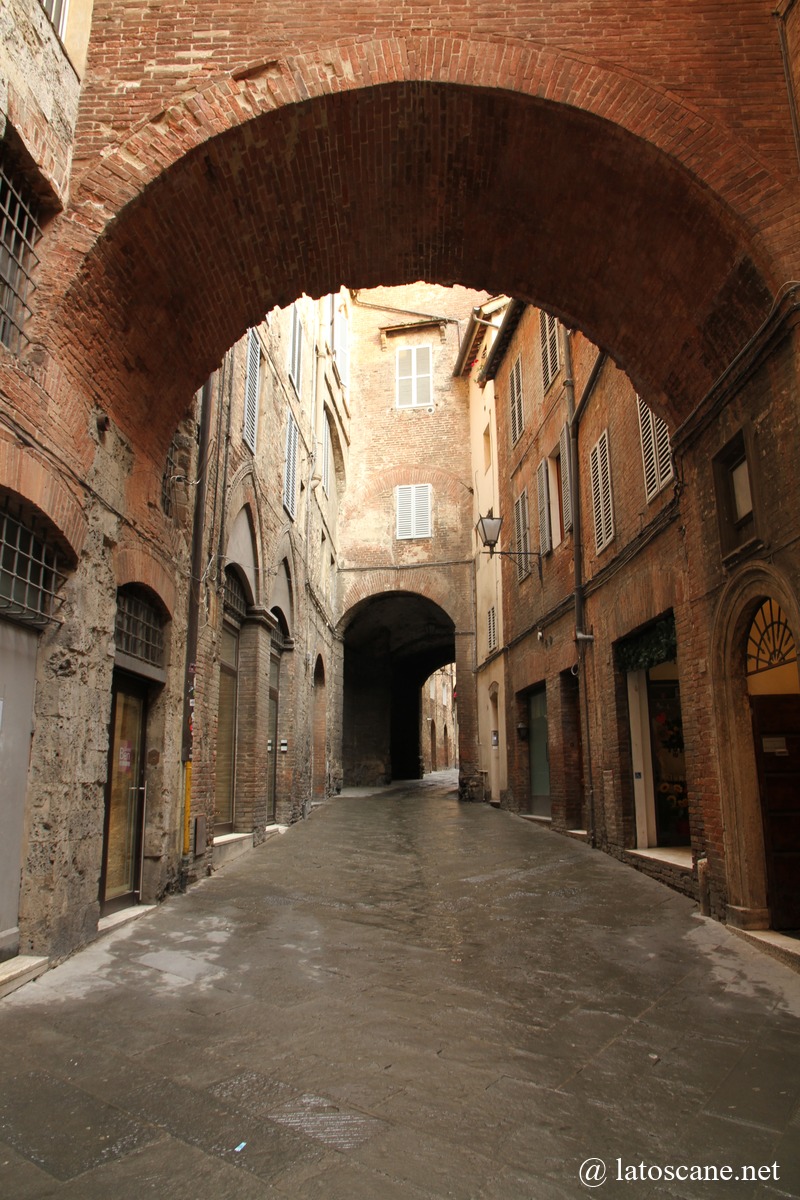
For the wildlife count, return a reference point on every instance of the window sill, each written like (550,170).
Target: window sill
(738,554)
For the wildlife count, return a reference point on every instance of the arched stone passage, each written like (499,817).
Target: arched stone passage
(393,642)
(388,184)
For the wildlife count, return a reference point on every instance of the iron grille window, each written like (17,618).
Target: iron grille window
(19,233)
(56,11)
(29,575)
(235,599)
(139,628)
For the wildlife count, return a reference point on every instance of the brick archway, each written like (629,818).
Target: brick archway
(602,197)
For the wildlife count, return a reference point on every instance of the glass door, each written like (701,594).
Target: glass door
(125,796)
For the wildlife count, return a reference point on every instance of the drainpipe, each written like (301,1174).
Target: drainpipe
(193,624)
(582,637)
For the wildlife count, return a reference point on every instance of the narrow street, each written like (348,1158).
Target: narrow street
(405,996)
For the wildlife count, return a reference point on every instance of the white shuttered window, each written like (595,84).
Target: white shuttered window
(515,402)
(414,384)
(602,503)
(290,469)
(656,450)
(522,540)
(413,502)
(251,389)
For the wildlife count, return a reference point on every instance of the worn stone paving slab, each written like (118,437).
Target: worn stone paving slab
(403,997)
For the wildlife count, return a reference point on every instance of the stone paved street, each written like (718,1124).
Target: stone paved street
(404,996)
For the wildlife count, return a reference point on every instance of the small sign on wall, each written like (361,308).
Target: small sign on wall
(495,739)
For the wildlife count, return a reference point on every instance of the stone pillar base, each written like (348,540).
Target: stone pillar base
(470,788)
(747,918)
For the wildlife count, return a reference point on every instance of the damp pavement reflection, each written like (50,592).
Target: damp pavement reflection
(404,996)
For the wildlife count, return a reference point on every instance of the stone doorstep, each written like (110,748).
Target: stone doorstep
(778,945)
(14,972)
(123,916)
(230,846)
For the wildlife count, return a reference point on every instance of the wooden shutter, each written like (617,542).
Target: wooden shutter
(601,493)
(422,376)
(548,330)
(515,402)
(521,535)
(290,468)
(492,628)
(543,497)
(564,454)
(414,384)
(252,388)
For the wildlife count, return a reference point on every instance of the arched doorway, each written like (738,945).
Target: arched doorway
(319,767)
(434,759)
(773,687)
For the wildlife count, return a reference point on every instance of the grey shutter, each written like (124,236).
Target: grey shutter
(548,330)
(649,460)
(515,402)
(521,535)
(663,451)
(656,450)
(251,390)
(296,362)
(601,493)
(405,378)
(543,497)
(290,469)
(564,450)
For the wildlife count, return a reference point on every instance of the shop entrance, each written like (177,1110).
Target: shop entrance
(125,796)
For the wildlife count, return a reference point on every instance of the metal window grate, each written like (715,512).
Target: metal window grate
(19,233)
(235,598)
(139,628)
(29,576)
(56,11)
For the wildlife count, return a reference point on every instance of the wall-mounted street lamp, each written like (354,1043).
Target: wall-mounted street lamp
(489,533)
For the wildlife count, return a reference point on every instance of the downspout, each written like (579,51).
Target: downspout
(223,512)
(575,413)
(193,625)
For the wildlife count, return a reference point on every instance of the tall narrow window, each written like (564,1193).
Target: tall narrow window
(602,503)
(522,539)
(491,630)
(296,354)
(548,329)
(543,498)
(656,450)
(413,503)
(414,382)
(290,468)
(251,390)
(19,233)
(517,410)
